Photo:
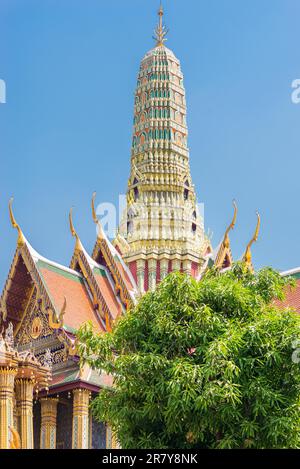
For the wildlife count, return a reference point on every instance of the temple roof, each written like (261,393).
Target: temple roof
(86,375)
(63,287)
(106,254)
(107,288)
(95,290)
(98,275)
(292,295)
(64,283)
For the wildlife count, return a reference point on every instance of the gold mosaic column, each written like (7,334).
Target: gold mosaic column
(111,439)
(152,274)
(164,264)
(7,378)
(176,265)
(48,423)
(80,428)
(141,274)
(24,391)
(187,266)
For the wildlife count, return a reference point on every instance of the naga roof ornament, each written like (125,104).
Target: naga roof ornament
(226,242)
(73,231)
(21,239)
(95,219)
(247,257)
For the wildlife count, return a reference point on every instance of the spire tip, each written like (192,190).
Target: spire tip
(160,31)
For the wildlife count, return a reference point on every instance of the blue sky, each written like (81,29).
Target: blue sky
(70,68)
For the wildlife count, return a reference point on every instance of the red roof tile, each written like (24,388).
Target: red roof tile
(107,291)
(63,283)
(292,298)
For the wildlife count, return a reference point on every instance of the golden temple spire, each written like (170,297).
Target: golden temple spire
(160,30)
(231,226)
(21,239)
(73,231)
(247,258)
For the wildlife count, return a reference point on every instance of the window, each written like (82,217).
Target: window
(186,190)
(129,227)
(135,194)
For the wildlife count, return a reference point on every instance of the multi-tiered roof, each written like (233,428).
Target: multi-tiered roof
(47,302)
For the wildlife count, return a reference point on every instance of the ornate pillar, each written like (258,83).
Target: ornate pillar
(24,391)
(80,428)
(15,417)
(164,264)
(111,439)
(187,266)
(7,378)
(152,274)
(141,274)
(176,265)
(48,423)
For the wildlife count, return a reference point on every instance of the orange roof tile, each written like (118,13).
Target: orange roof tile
(107,291)
(62,283)
(292,298)
(125,275)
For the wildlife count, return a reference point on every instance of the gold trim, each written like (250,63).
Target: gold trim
(102,245)
(15,441)
(226,242)
(21,239)
(95,219)
(247,258)
(17,327)
(78,245)
(52,319)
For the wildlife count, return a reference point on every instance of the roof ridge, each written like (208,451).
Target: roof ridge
(295,270)
(38,257)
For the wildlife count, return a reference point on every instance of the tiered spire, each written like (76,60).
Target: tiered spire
(162,224)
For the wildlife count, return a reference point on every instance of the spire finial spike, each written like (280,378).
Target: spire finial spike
(21,239)
(98,223)
(247,258)
(160,31)
(231,226)
(95,219)
(73,231)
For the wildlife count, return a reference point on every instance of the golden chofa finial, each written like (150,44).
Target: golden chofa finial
(247,258)
(21,239)
(93,208)
(73,231)
(160,31)
(230,227)
(100,234)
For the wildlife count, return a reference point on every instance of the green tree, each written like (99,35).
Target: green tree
(202,365)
